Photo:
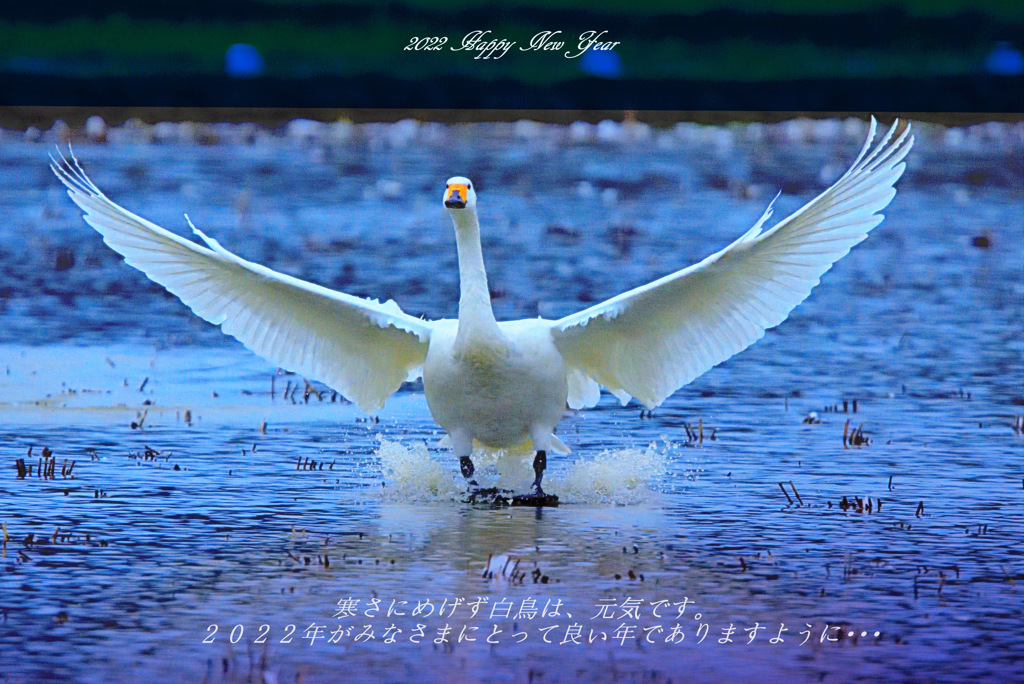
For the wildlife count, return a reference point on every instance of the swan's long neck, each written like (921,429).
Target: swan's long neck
(476,318)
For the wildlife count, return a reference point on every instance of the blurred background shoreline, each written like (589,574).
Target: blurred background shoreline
(44,117)
(705,56)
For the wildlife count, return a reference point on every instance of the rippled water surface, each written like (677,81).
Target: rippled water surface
(241,516)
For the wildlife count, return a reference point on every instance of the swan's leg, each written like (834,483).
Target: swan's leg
(543,441)
(540,462)
(462,443)
(541,437)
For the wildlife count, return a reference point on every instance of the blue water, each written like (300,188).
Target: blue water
(132,557)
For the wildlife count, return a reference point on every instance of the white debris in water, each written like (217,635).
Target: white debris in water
(501,568)
(614,476)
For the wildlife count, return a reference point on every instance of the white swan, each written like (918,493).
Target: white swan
(507,384)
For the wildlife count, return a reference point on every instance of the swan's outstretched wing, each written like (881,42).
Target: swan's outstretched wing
(360,347)
(654,339)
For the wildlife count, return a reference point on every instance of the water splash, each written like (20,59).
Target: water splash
(614,476)
(411,474)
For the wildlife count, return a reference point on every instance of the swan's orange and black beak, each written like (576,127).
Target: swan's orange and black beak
(456,196)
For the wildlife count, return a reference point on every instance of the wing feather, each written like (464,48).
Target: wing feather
(360,347)
(652,340)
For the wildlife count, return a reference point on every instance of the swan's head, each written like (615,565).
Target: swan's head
(459,194)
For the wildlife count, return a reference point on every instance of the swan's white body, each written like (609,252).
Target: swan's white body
(507,384)
(500,392)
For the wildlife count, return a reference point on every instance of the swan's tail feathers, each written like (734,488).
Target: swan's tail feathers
(558,446)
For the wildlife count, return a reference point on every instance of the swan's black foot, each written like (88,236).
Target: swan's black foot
(496,498)
(490,496)
(535,500)
(537,497)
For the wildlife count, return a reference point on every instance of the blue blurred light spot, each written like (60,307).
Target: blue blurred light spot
(602,63)
(243,61)
(1005,60)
